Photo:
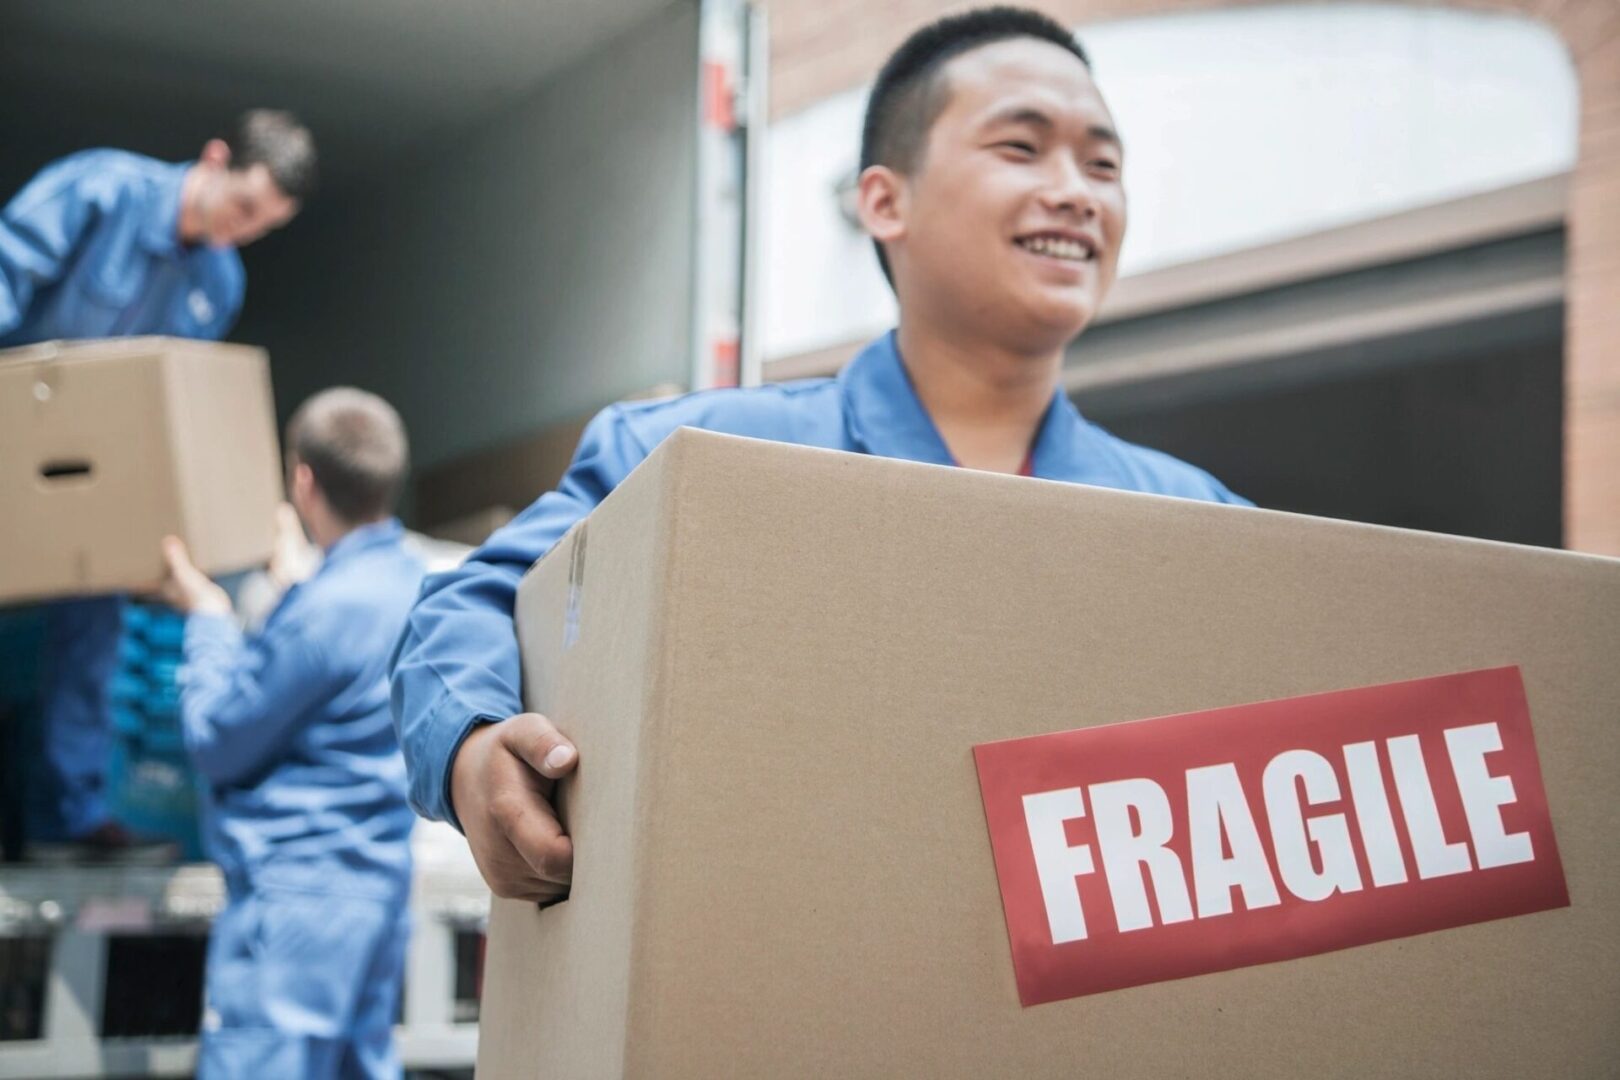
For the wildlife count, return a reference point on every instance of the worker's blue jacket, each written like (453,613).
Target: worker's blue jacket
(457,663)
(290,731)
(91,248)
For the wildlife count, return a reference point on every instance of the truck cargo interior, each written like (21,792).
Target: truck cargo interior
(495,198)
(496,202)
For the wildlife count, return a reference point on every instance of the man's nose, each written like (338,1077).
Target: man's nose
(1069,190)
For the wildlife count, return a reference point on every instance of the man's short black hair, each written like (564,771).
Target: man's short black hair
(910,91)
(275,139)
(354,443)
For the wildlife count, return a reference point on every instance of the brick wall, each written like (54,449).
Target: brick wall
(820,47)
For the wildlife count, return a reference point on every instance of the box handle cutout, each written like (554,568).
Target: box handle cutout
(559,808)
(66,471)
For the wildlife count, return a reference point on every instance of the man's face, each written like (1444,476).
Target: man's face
(241,205)
(1014,216)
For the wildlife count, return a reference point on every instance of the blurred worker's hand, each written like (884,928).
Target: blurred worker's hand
(500,784)
(187,588)
(292,557)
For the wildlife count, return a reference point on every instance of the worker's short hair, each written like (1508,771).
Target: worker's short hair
(278,141)
(354,443)
(911,90)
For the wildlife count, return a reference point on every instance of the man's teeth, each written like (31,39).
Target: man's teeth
(1057,247)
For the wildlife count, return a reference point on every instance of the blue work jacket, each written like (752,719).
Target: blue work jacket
(290,730)
(457,663)
(91,248)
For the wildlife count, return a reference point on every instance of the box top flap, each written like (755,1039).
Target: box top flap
(117,348)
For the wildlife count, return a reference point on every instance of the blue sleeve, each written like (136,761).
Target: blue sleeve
(39,230)
(456,664)
(1160,473)
(243,699)
(1224,494)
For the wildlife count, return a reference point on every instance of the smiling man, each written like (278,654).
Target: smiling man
(990,184)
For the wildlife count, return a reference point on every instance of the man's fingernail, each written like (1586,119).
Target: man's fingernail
(559,756)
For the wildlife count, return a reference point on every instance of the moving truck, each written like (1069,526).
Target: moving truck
(526,212)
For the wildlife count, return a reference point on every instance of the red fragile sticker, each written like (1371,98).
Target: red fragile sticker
(1137,852)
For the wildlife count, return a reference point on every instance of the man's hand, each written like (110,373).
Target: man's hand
(500,784)
(187,588)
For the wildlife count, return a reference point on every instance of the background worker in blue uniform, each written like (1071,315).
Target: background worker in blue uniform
(991,185)
(106,243)
(304,806)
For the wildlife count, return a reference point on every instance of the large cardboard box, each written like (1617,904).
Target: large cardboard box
(776,663)
(108,446)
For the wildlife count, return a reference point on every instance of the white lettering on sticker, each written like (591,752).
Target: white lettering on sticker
(1217,808)
(1127,851)
(1057,862)
(1377,824)
(1484,795)
(1294,835)
(1435,857)
(1134,825)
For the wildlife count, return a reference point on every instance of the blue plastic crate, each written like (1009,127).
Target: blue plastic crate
(163,630)
(128,690)
(164,741)
(145,688)
(136,616)
(162,702)
(127,721)
(132,651)
(154,793)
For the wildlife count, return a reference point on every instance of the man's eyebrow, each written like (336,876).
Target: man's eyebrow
(1026,114)
(1021,114)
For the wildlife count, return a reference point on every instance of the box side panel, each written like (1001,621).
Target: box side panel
(824,900)
(86,474)
(228,461)
(559,983)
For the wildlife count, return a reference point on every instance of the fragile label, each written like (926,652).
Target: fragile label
(1136,852)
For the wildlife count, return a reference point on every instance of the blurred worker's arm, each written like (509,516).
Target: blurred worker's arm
(242,697)
(39,230)
(456,685)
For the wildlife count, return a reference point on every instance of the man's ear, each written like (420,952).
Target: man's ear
(880,199)
(303,481)
(216,153)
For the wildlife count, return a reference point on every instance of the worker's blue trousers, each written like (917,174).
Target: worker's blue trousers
(303,985)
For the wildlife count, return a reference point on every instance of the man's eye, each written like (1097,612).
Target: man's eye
(1105,166)
(1020,147)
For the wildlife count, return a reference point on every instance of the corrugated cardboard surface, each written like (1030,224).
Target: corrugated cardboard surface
(178,437)
(782,659)
(226,453)
(586,980)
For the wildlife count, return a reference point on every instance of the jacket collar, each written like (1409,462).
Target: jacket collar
(160,232)
(885,417)
(375,535)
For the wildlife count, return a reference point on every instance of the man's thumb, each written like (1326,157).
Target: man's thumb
(175,555)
